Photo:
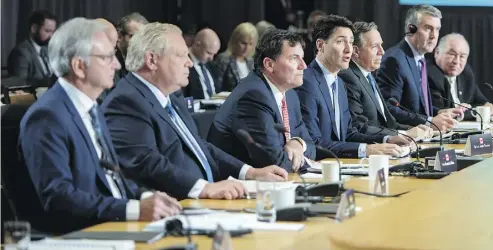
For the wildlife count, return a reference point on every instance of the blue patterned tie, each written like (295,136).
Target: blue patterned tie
(206,79)
(335,105)
(371,80)
(190,140)
(105,149)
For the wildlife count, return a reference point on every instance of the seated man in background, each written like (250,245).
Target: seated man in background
(67,147)
(323,97)
(202,81)
(403,76)
(265,106)
(155,136)
(29,60)
(369,111)
(452,78)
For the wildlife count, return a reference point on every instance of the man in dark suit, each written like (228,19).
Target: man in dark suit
(368,109)
(450,77)
(29,60)
(153,132)
(66,144)
(403,75)
(323,97)
(202,81)
(127,26)
(264,100)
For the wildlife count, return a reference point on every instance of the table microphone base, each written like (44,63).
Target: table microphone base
(427,152)
(188,246)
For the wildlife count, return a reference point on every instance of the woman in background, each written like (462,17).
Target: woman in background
(236,62)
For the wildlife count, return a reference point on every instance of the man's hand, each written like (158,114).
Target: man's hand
(444,121)
(157,206)
(295,154)
(269,173)
(227,189)
(384,149)
(456,112)
(399,140)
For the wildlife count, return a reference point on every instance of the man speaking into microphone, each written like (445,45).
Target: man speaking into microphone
(263,100)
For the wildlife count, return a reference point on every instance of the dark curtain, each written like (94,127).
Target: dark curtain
(475,23)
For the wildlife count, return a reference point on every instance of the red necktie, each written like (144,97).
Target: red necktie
(285,118)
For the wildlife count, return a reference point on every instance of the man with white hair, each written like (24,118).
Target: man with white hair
(452,78)
(66,144)
(403,77)
(153,132)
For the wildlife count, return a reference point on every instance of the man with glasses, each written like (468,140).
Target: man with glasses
(127,27)
(67,147)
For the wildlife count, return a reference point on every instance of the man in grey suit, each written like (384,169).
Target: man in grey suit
(368,109)
(29,60)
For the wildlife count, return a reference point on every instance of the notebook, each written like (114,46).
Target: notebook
(144,237)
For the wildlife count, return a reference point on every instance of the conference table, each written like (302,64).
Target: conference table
(455,212)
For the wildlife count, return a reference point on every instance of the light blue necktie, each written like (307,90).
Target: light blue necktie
(371,80)
(335,105)
(190,140)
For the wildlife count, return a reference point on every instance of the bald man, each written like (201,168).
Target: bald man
(202,79)
(450,77)
(112,35)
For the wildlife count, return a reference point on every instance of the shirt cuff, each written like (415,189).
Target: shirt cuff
(428,121)
(133,210)
(301,141)
(362,150)
(243,172)
(146,194)
(194,193)
(386,138)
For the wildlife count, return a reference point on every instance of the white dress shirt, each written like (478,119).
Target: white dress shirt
(452,80)
(243,69)
(200,183)
(198,68)
(83,104)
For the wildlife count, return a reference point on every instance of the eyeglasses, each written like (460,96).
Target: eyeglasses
(106,58)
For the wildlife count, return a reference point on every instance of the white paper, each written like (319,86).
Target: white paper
(251,185)
(213,102)
(55,244)
(229,221)
(470,126)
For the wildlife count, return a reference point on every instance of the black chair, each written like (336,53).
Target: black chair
(204,120)
(17,188)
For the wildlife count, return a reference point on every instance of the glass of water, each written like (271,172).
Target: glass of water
(17,235)
(265,204)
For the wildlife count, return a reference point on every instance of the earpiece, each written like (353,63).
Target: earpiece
(412,29)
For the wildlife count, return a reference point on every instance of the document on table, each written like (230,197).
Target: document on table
(57,244)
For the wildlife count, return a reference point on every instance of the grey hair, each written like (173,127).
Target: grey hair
(310,20)
(414,14)
(121,26)
(151,37)
(75,38)
(443,41)
(359,28)
(263,26)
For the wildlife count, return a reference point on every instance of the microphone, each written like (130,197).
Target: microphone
(394,102)
(470,109)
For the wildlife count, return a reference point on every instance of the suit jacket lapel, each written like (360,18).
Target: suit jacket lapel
(35,54)
(367,87)
(85,134)
(234,69)
(272,101)
(324,88)
(414,69)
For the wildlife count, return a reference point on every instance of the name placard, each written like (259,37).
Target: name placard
(446,161)
(478,144)
(347,206)
(380,186)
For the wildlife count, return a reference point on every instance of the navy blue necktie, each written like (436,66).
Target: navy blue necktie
(371,80)
(335,105)
(105,149)
(206,79)
(190,141)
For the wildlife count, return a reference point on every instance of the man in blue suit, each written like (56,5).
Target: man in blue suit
(403,75)
(66,144)
(153,132)
(324,102)
(265,106)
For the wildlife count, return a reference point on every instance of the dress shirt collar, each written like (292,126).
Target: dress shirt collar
(365,73)
(81,101)
(194,59)
(163,100)
(417,56)
(36,46)
(329,76)
(278,95)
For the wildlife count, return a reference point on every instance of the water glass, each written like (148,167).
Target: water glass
(265,202)
(17,235)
